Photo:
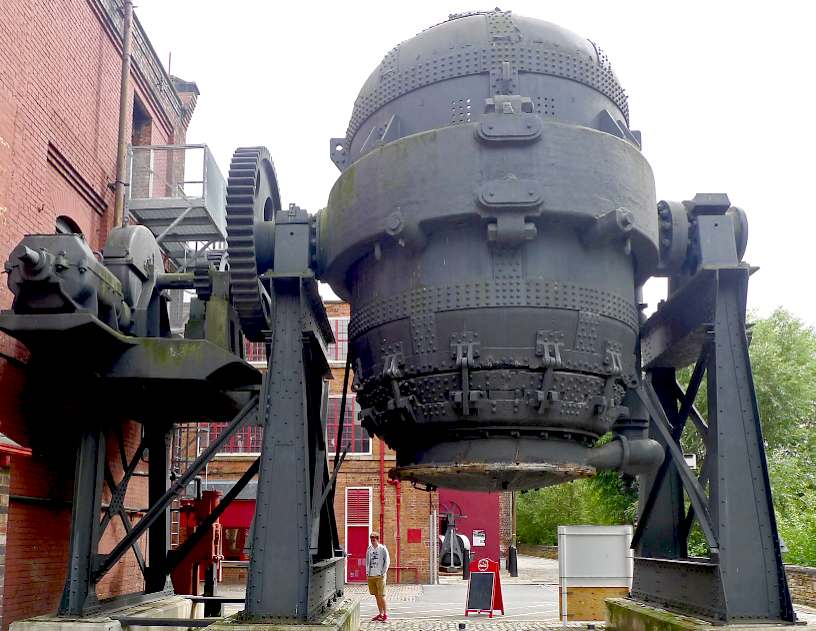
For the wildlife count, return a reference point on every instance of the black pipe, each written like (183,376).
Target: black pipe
(165,622)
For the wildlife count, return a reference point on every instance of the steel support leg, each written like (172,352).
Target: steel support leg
(742,579)
(293,569)
(79,593)
(158,445)
(751,568)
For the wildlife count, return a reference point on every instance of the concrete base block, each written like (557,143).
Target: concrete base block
(344,616)
(166,607)
(624,614)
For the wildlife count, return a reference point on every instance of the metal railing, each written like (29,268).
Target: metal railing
(179,193)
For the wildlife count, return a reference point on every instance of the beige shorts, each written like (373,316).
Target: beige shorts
(376,585)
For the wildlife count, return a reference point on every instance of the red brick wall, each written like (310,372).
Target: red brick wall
(59,92)
(415,510)
(5,476)
(505,522)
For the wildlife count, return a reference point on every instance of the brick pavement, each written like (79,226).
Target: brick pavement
(496,624)
(399,593)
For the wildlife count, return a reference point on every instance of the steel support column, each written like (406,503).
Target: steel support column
(663,489)
(158,445)
(80,589)
(751,568)
(294,567)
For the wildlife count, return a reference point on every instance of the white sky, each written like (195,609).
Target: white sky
(723,93)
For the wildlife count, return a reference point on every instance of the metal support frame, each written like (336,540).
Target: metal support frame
(296,569)
(86,566)
(743,577)
(79,593)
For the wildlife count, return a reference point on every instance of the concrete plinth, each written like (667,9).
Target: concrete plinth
(167,607)
(344,616)
(623,614)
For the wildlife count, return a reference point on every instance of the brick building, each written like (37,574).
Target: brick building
(59,100)
(59,97)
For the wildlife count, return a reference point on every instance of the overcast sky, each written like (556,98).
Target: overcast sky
(723,93)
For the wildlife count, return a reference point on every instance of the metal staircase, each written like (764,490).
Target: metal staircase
(179,193)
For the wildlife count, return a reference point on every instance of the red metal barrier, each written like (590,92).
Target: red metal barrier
(190,571)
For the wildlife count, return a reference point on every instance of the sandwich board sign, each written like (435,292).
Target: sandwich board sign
(484,593)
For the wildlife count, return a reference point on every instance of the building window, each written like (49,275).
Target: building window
(337,351)
(246,440)
(354,435)
(66,225)
(255,352)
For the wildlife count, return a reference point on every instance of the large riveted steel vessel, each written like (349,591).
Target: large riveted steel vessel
(491,227)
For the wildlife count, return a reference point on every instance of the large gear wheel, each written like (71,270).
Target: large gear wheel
(252,200)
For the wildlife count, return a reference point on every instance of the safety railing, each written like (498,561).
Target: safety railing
(179,193)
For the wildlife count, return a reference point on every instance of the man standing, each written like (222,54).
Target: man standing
(377,562)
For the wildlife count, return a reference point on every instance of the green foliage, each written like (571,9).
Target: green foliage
(794,486)
(606,499)
(540,512)
(783,358)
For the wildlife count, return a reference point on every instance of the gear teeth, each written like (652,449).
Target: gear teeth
(243,211)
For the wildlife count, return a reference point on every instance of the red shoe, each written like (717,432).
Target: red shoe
(384,617)
(377,618)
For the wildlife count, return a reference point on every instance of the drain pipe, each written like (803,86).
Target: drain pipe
(124,94)
(382,489)
(398,488)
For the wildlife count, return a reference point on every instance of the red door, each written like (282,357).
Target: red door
(357,541)
(358,526)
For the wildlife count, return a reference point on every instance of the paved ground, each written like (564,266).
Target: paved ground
(531,603)
(444,605)
(531,571)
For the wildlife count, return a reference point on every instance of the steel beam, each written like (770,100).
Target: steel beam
(157,440)
(294,569)
(80,588)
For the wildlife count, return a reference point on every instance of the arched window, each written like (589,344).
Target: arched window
(66,225)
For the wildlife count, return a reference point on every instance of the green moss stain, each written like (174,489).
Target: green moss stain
(217,322)
(344,193)
(626,615)
(169,352)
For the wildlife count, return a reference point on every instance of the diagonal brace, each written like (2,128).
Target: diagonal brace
(686,408)
(177,555)
(118,491)
(159,507)
(696,494)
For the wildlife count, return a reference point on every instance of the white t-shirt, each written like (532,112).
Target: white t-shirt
(377,561)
